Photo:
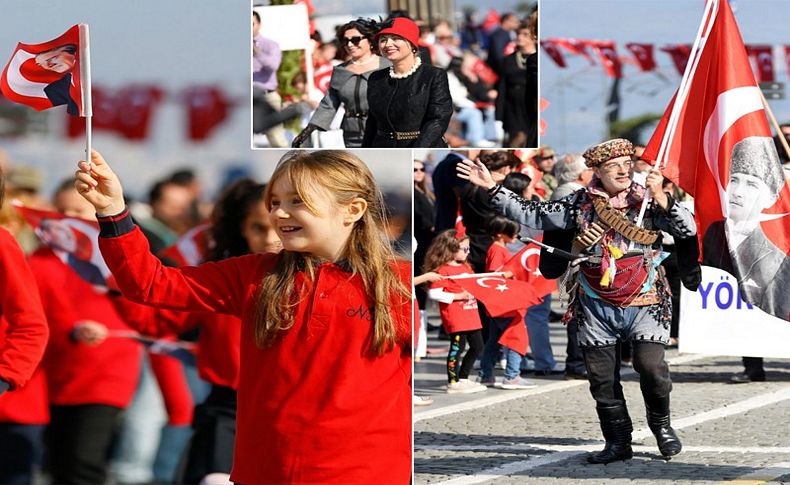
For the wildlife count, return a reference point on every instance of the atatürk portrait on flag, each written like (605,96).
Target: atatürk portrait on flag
(762,268)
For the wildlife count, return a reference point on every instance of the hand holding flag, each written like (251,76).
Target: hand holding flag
(100,186)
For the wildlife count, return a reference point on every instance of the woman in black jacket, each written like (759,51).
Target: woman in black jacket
(517,104)
(409,104)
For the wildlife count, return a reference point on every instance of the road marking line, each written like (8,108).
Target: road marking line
(597,446)
(510,468)
(489,401)
(755,402)
(761,476)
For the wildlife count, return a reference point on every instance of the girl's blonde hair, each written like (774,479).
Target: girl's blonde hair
(338,174)
(442,250)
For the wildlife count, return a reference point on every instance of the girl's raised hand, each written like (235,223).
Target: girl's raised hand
(100,186)
(475,172)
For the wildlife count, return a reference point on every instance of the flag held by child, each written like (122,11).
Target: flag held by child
(46,75)
(524,266)
(500,295)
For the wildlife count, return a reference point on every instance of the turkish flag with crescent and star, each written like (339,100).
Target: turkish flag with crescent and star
(524,266)
(46,75)
(718,148)
(505,298)
(643,54)
(500,295)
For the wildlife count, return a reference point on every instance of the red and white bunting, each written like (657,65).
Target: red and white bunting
(607,53)
(643,53)
(679,54)
(763,58)
(553,51)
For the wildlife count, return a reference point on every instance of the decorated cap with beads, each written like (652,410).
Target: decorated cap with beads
(608,150)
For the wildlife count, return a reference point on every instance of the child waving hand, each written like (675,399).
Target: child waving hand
(324,392)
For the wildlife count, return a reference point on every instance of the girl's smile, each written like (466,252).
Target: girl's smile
(318,230)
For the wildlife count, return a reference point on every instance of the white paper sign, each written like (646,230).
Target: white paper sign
(715,320)
(287,25)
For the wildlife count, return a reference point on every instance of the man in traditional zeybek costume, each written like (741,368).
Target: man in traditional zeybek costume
(620,292)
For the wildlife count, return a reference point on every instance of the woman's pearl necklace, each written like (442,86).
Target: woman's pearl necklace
(362,63)
(411,71)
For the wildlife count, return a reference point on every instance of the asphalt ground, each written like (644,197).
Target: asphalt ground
(731,433)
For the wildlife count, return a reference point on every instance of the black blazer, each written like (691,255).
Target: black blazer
(420,102)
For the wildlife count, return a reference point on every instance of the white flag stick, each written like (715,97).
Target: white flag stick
(85,80)
(708,19)
(466,276)
(775,124)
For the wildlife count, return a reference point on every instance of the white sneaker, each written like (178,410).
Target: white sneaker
(517,383)
(464,386)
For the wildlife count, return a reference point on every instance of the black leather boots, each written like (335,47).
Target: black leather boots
(658,421)
(616,427)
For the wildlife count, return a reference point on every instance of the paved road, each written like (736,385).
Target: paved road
(731,433)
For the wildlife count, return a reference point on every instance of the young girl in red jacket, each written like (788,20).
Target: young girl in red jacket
(239,225)
(447,256)
(23,338)
(325,367)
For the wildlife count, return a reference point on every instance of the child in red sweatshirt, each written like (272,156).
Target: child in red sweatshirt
(23,338)
(325,367)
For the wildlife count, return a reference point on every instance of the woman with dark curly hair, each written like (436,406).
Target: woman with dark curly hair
(240,223)
(348,85)
(410,104)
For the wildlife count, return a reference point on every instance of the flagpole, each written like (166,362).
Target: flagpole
(550,249)
(474,275)
(708,19)
(775,124)
(85,80)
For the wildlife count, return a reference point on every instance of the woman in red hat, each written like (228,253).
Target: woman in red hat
(409,104)
(348,84)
